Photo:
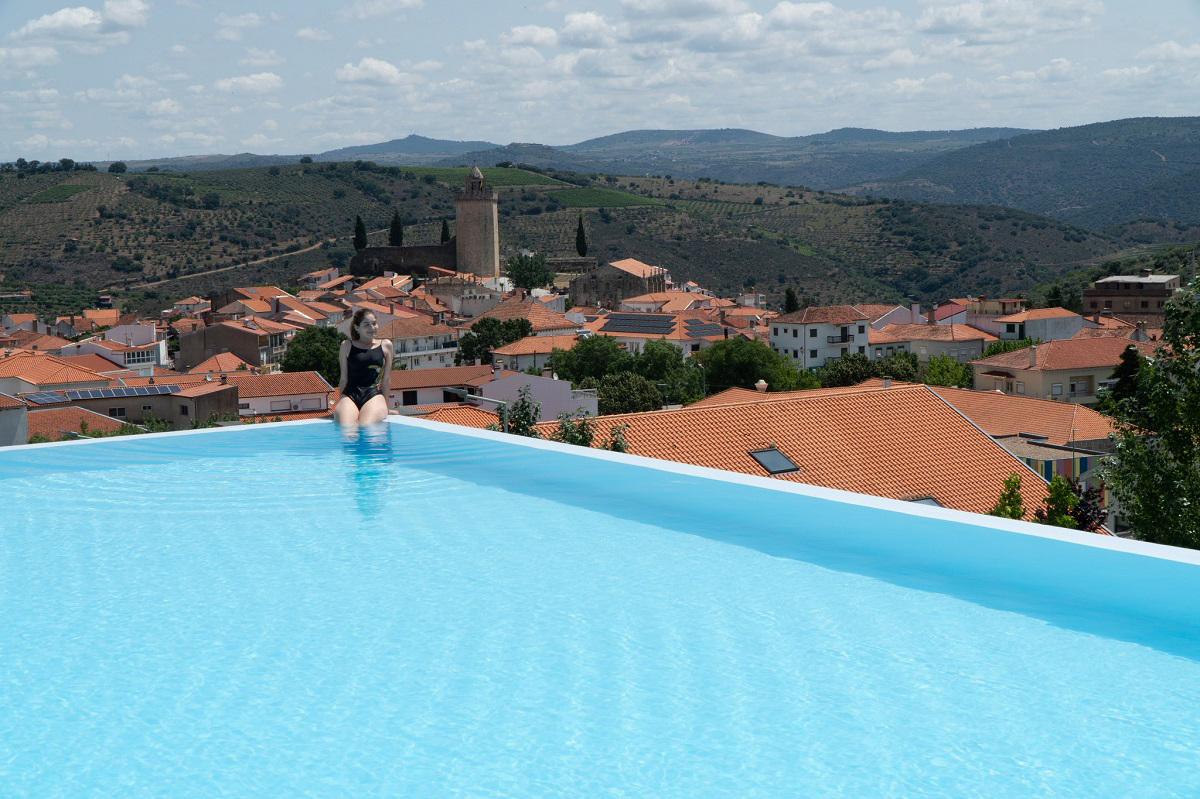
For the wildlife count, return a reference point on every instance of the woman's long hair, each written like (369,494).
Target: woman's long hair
(356,320)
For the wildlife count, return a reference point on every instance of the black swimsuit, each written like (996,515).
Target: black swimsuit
(363,368)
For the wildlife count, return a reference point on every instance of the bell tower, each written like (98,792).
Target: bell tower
(477,228)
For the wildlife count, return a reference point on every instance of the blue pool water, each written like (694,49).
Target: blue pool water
(278,612)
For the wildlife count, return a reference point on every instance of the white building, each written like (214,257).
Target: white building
(812,336)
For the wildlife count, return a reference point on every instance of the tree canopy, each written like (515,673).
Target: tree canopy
(943,370)
(1154,471)
(486,335)
(627,392)
(594,357)
(741,363)
(396,231)
(581,245)
(314,349)
(791,302)
(360,234)
(529,271)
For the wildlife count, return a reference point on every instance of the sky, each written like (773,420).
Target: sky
(133,79)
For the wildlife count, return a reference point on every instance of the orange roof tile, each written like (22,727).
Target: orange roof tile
(947,309)
(46,370)
(823,315)
(258,325)
(433,378)
(875,442)
(1005,414)
(413,327)
(221,362)
(200,389)
(875,312)
(1071,353)
(1037,313)
(10,402)
(541,317)
(636,267)
(51,422)
(459,413)
(909,332)
(537,345)
(97,363)
(249,384)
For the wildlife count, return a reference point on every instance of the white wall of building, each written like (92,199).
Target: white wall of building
(14,427)
(810,346)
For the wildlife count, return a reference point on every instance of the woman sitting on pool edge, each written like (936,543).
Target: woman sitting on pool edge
(366,373)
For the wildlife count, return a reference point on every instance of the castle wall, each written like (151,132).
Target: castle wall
(403,260)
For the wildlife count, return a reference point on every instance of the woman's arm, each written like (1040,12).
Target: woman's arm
(385,385)
(343,354)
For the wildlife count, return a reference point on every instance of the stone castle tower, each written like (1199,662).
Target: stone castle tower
(477,227)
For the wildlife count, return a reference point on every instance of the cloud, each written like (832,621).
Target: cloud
(66,23)
(259,83)
(532,35)
(260,140)
(161,108)
(1170,51)
(313,35)
(587,29)
(260,58)
(372,71)
(901,58)
(125,14)
(84,29)
(798,15)
(371,9)
(678,10)
(26,59)
(232,28)
(1007,21)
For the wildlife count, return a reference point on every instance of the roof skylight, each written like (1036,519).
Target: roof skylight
(774,461)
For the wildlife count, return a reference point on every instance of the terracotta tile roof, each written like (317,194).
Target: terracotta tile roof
(102,316)
(10,402)
(97,363)
(541,317)
(193,300)
(46,370)
(823,315)
(22,318)
(221,362)
(259,292)
(1005,414)
(946,310)
(671,300)
(877,312)
(187,324)
(459,413)
(745,396)
(908,332)
(1065,354)
(327,308)
(902,443)
(636,267)
(433,378)
(249,384)
(476,382)
(258,325)
(39,342)
(51,422)
(1113,332)
(413,327)
(256,306)
(537,345)
(200,389)
(1037,313)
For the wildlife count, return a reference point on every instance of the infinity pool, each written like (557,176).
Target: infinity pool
(281,612)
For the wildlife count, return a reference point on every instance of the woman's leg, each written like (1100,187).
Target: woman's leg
(373,410)
(346,413)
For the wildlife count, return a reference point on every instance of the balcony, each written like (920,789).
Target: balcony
(842,339)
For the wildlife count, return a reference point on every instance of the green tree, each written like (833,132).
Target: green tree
(997,347)
(1154,471)
(594,357)
(578,431)
(627,392)
(306,159)
(848,370)
(396,231)
(118,167)
(486,335)
(791,302)
(211,201)
(942,370)
(360,234)
(581,246)
(1059,505)
(315,349)
(1010,504)
(529,271)
(1089,513)
(1127,374)
(740,363)
(445,231)
(523,415)
(901,366)
(616,438)
(678,377)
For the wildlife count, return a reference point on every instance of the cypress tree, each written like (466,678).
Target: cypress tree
(445,231)
(580,239)
(791,303)
(360,234)
(396,233)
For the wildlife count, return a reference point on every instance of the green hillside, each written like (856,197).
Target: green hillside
(1099,175)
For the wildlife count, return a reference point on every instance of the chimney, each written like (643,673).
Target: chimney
(224,378)
(151,381)
(1146,273)
(887,381)
(497,366)
(547,372)
(1096,317)
(1033,356)
(479,362)
(914,312)
(930,319)
(761,386)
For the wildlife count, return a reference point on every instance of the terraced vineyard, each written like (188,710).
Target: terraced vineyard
(600,198)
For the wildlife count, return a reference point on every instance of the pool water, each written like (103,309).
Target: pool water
(284,612)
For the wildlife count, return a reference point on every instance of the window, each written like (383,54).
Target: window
(1020,387)
(243,406)
(281,405)
(410,398)
(812,333)
(695,348)
(795,332)
(862,349)
(812,354)
(1108,303)
(147,408)
(998,385)
(183,410)
(879,352)
(774,461)
(862,329)
(116,413)
(922,350)
(1010,328)
(1145,303)
(774,331)
(1093,303)
(1056,390)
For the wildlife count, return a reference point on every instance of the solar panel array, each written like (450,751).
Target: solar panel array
(703,327)
(44,398)
(654,324)
(121,391)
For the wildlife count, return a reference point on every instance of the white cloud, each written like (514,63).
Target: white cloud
(798,15)
(270,124)
(124,14)
(259,83)
(587,29)
(260,140)
(26,58)
(901,58)
(260,58)
(84,29)
(166,107)
(532,35)
(313,35)
(1170,51)
(372,71)
(64,23)
(682,9)
(232,28)
(370,9)
(1006,21)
